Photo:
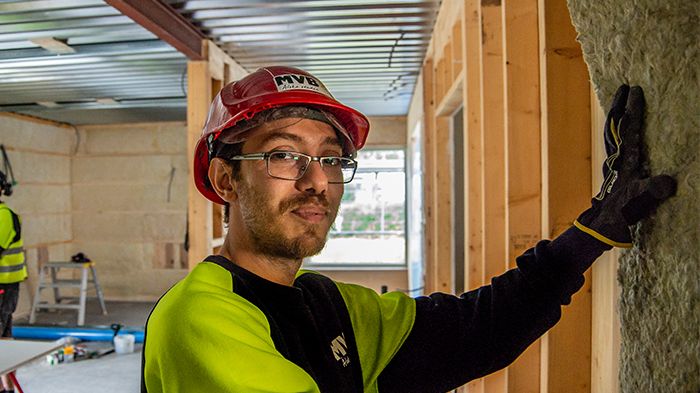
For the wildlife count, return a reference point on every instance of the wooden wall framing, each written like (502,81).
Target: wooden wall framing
(204,80)
(517,71)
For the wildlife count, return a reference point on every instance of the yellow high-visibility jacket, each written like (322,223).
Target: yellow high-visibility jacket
(12,265)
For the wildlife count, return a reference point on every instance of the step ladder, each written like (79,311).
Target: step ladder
(50,271)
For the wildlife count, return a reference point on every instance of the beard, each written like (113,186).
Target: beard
(272,236)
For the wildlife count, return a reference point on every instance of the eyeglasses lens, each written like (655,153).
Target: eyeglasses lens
(292,166)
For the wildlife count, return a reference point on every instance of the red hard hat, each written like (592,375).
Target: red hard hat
(267,88)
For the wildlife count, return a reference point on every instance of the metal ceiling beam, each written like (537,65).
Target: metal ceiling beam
(112,48)
(167,24)
(131,103)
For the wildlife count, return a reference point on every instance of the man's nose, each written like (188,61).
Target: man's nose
(314,179)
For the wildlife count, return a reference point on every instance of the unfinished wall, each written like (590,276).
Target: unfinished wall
(40,155)
(654,44)
(130,206)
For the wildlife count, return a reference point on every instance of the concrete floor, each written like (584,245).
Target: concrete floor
(132,314)
(108,374)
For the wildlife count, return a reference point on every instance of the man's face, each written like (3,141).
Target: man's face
(287,218)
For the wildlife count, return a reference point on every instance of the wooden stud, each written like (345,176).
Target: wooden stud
(205,80)
(457,49)
(449,75)
(605,290)
(443,188)
(472,125)
(199,211)
(217,59)
(472,92)
(522,123)
(566,179)
(440,80)
(494,171)
(429,177)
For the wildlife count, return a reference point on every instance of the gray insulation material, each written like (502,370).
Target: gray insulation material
(654,44)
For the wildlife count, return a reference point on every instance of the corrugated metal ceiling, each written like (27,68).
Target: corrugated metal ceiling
(368,52)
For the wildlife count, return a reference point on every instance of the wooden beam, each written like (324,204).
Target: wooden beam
(494,170)
(566,179)
(440,81)
(53,45)
(448,69)
(472,126)
(429,196)
(453,98)
(457,49)
(522,124)
(605,289)
(166,23)
(199,209)
(443,186)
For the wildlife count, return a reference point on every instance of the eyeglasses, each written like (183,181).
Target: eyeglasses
(290,165)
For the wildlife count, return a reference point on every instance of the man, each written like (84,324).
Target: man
(276,151)
(13,270)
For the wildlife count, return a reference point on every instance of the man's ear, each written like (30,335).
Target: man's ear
(221,179)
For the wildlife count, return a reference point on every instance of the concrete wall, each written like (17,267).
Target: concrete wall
(40,153)
(387,131)
(129,202)
(654,44)
(107,191)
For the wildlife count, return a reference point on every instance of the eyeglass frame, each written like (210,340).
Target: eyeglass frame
(266,156)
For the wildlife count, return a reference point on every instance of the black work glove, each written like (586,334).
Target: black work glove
(627,195)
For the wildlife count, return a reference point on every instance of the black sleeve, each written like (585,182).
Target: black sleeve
(457,339)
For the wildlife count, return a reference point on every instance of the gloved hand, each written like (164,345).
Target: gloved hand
(627,195)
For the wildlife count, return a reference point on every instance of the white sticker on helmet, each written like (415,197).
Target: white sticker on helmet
(300,82)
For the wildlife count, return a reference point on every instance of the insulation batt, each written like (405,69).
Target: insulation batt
(654,44)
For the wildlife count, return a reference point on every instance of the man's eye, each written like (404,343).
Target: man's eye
(283,156)
(332,161)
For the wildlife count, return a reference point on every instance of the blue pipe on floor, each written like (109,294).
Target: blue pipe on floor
(83,334)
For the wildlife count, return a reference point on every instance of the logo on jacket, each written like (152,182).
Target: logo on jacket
(340,350)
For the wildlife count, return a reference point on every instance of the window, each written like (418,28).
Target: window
(370,228)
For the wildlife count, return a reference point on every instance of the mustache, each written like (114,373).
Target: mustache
(301,200)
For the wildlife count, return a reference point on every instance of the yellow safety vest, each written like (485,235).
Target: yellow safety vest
(12,265)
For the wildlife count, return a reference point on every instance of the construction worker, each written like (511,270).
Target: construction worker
(13,269)
(276,150)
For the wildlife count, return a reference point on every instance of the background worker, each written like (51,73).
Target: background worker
(276,151)
(13,269)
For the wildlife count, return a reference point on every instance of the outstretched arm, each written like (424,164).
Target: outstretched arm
(457,339)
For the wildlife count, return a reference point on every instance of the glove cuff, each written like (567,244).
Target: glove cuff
(600,237)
